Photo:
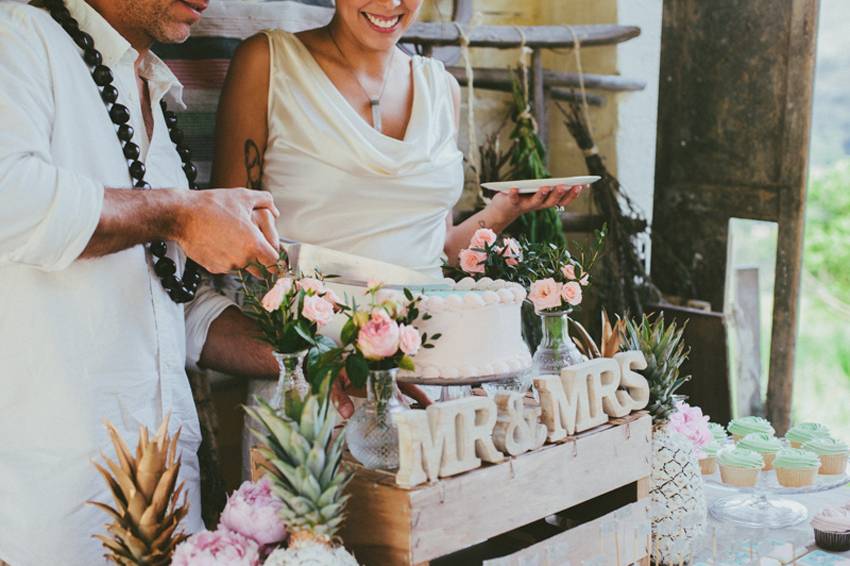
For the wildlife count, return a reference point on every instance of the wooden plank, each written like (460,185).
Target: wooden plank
(380,523)
(747,314)
(616,538)
(468,509)
(487,78)
(508,37)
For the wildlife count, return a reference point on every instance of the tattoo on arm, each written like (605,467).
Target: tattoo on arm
(253,165)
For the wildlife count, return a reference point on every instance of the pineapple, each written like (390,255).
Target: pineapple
(678,498)
(146,516)
(303,463)
(612,337)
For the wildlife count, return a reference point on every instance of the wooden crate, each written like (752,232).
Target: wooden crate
(390,526)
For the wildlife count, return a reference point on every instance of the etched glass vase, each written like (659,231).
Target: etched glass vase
(290,376)
(556,350)
(371,432)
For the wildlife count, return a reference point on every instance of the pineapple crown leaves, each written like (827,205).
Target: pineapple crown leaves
(665,352)
(610,342)
(147,504)
(303,462)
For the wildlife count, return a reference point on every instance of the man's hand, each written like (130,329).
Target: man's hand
(226,229)
(342,391)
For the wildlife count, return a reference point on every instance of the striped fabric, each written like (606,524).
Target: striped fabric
(201,62)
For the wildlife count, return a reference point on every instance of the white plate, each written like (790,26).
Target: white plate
(533,185)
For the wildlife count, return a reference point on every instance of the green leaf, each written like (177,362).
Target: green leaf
(349,332)
(357,369)
(406,363)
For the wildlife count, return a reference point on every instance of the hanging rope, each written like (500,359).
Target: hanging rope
(525,54)
(471,134)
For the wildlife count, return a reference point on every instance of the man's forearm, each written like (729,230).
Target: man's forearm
(233,346)
(131,217)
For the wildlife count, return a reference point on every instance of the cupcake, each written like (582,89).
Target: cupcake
(765,444)
(708,457)
(804,432)
(739,428)
(718,432)
(796,467)
(739,466)
(832,453)
(832,529)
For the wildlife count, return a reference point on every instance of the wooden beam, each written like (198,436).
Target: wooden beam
(508,37)
(613,83)
(564,94)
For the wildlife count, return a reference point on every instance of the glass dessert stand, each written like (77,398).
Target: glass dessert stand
(762,506)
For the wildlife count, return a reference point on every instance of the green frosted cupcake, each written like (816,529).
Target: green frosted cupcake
(739,466)
(832,453)
(765,444)
(718,432)
(708,457)
(804,432)
(739,428)
(796,467)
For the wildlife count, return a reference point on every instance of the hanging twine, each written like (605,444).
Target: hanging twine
(471,134)
(525,54)
(584,105)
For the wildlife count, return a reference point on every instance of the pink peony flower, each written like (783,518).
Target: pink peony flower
(311,284)
(585,279)
(545,294)
(569,271)
(691,423)
(409,340)
(482,238)
(571,292)
(378,338)
(472,261)
(274,298)
(218,548)
(253,512)
(511,251)
(317,309)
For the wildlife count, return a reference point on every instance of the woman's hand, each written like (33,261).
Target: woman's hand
(512,205)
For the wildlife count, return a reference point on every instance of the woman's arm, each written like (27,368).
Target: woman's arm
(504,208)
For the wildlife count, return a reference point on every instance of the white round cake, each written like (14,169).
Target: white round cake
(479,324)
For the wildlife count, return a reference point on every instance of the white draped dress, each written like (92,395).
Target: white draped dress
(342,184)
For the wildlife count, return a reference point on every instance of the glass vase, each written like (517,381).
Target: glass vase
(290,376)
(371,432)
(556,350)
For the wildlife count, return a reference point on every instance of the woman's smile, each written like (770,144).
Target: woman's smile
(383,24)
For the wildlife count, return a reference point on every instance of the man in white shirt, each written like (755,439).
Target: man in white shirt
(88,331)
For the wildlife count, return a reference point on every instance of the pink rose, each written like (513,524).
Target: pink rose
(691,423)
(332,298)
(472,261)
(274,298)
(374,284)
(253,512)
(571,292)
(317,309)
(218,548)
(545,294)
(409,340)
(482,238)
(378,338)
(584,280)
(569,271)
(512,252)
(311,284)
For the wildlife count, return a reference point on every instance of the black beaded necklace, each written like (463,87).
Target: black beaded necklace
(180,291)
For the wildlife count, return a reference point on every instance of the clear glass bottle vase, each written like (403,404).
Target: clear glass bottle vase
(371,432)
(291,376)
(556,350)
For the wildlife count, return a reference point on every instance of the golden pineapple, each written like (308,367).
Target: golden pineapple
(147,512)
(609,344)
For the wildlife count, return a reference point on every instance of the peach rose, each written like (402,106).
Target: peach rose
(569,271)
(317,309)
(545,294)
(273,299)
(409,340)
(585,279)
(472,261)
(379,337)
(374,284)
(332,298)
(311,284)
(482,238)
(511,251)
(571,292)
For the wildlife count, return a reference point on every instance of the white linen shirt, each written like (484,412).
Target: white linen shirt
(81,340)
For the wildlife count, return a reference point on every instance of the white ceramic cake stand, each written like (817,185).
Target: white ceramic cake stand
(759,506)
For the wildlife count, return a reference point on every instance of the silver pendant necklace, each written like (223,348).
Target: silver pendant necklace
(374,102)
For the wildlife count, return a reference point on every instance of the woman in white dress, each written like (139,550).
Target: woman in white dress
(356,140)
